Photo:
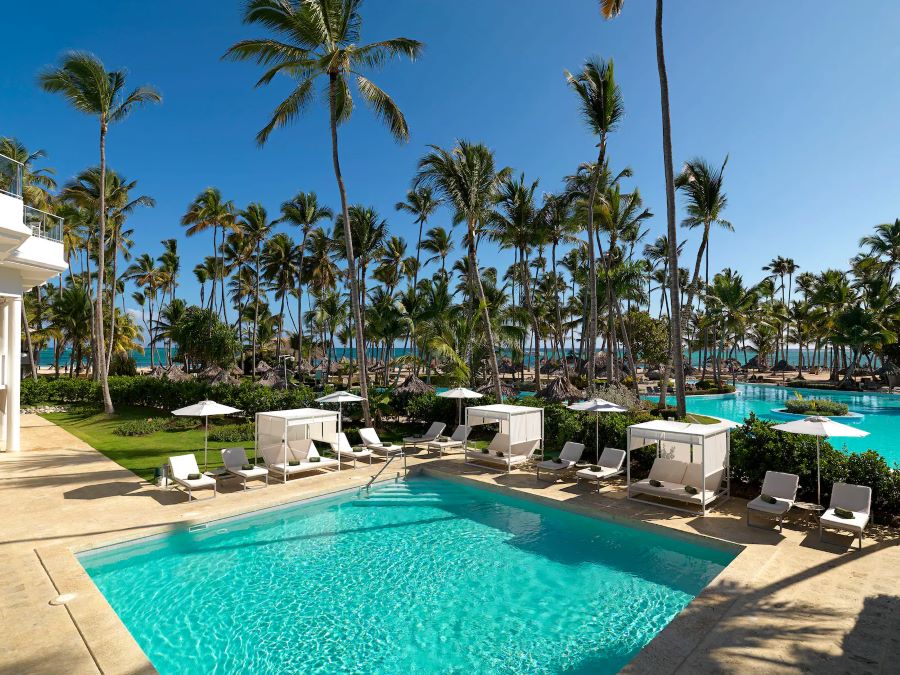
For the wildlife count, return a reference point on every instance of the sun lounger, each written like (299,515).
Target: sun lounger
(569,456)
(674,476)
(301,458)
(342,449)
(182,466)
(856,500)
(457,440)
(782,487)
(435,430)
(609,464)
(235,459)
(370,439)
(501,454)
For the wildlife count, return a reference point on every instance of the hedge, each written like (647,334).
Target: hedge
(815,406)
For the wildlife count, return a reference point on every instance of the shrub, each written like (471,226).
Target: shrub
(815,406)
(141,427)
(122,363)
(232,433)
(433,408)
(756,448)
(182,423)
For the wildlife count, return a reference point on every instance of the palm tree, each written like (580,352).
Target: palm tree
(303,211)
(207,210)
(885,243)
(467,179)
(610,9)
(420,204)
(280,259)
(602,108)
(202,276)
(83,80)
(321,39)
(144,274)
(255,226)
(438,241)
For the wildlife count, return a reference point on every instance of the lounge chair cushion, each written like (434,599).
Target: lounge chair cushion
(693,473)
(195,483)
(612,457)
(553,465)
(435,430)
(780,506)
(256,472)
(781,485)
(602,472)
(667,470)
(855,524)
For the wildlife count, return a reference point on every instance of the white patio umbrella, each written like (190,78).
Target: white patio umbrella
(820,427)
(460,393)
(597,405)
(204,409)
(340,397)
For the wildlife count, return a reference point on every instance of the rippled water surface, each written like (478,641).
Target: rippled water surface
(424,576)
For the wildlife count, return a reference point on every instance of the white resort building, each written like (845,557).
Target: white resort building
(31,253)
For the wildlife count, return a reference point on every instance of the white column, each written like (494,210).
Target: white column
(14,370)
(4,372)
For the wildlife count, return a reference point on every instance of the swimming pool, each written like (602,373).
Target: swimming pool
(424,576)
(880,412)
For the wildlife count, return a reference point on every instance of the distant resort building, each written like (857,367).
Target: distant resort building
(31,253)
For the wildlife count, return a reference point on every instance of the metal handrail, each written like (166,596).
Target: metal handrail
(367,487)
(40,228)
(14,173)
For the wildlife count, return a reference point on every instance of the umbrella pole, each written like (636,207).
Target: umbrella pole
(206,443)
(818,474)
(597,437)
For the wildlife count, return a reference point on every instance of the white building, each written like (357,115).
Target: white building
(31,253)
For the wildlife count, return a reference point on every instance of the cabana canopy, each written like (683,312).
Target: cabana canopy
(277,429)
(688,455)
(521,433)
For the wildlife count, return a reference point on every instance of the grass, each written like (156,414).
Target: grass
(142,455)
(694,418)
(139,454)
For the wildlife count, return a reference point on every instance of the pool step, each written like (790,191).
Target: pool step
(398,501)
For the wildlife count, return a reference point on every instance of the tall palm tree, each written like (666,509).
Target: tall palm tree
(280,259)
(421,204)
(602,107)
(202,276)
(320,38)
(255,226)
(885,243)
(207,210)
(36,183)
(466,177)
(83,80)
(610,9)
(304,212)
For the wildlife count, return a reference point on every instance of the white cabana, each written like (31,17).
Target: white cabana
(692,465)
(521,432)
(278,430)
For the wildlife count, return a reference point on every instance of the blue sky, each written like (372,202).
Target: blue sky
(804,100)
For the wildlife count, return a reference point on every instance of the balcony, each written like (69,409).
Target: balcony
(11,173)
(44,225)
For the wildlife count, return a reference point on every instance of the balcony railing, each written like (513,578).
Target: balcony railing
(43,224)
(10,176)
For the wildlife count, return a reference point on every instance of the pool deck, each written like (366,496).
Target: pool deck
(787,603)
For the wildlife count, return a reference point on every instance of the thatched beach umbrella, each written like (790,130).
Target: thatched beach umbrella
(263,367)
(505,390)
(236,371)
(413,385)
(176,374)
(304,366)
(211,372)
(157,371)
(559,390)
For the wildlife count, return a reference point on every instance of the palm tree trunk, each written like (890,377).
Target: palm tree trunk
(559,327)
(475,279)
(300,297)
(674,290)
(526,288)
(100,363)
(351,267)
(592,269)
(112,296)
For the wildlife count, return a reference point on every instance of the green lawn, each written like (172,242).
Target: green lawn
(694,418)
(143,454)
(140,454)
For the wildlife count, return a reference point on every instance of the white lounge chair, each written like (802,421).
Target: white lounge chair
(300,457)
(235,459)
(370,439)
(782,487)
(856,500)
(435,430)
(501,454)
(182,466)
(457,440)
(342,448)
(569,456)
(609,464)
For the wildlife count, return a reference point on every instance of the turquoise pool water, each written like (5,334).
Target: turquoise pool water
(880,413)
(425,576)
